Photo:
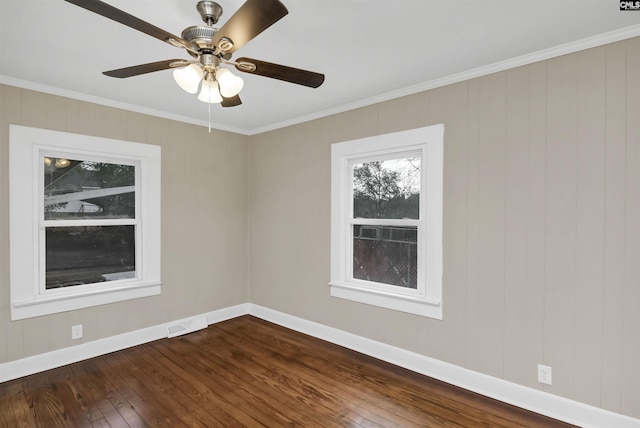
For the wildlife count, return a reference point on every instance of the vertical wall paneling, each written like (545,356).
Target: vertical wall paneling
(58,330)
(614,227)
(359,123)
(560,221)
(12,101)
(35,336)
(33,109)
(630,399)
(491,223)
(399,114)
(536,220)
(107,321)
(446,340)
(517,344)
(136,127)
(81,117)
(112,122)
(4,224)
(55,113)
(474,248)
(590,211)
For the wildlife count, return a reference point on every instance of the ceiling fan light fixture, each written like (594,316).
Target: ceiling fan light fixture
(230,84)
(210,93)
(189,77)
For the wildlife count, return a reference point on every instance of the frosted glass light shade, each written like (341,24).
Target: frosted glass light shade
(188,77)
(230,84)
(210,92)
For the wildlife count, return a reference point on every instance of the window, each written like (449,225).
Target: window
(85,221)
(386,220)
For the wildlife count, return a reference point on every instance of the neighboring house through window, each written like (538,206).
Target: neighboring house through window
(386,220)
(85,221)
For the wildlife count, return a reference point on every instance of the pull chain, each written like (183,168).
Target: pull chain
(209,118)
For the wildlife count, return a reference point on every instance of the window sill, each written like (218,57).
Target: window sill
(424,307)
(66,302)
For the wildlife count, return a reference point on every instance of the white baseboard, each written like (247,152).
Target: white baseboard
(537,401)
(72,354)
(527,398)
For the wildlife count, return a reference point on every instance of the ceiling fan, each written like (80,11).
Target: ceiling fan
(211,47)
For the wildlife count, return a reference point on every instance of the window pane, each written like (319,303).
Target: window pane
(387,189)
(89,254)
(386,254)
(82,189)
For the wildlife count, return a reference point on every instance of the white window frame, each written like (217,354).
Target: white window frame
(27,149)
(427,142)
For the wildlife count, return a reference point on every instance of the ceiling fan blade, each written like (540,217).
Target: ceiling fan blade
(146,68)
(231,101)
(251,19)
(131,21)
(280,72)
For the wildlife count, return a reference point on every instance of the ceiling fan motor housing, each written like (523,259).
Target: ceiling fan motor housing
(200,36)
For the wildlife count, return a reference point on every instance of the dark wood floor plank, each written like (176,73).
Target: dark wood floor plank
(227,395)
(68,386)
(200,393)
(288,393)
(95,396)
(107,395)
(246,372)
(314,390)
(18,412)
(157,391)
(244,377)
(53,405)
(438,394)
(174,389)
(229,386)
(136,395)
(372,392)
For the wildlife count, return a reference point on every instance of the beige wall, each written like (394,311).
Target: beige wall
(541,224)
(204,221)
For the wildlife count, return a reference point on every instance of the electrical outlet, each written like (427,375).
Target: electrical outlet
(76,332)
(544,374)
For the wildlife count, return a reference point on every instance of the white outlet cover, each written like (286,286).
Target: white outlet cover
(544,374)
(76,332)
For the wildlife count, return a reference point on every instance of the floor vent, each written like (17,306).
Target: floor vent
(186,326)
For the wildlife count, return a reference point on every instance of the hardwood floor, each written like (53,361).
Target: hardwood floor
(246,372)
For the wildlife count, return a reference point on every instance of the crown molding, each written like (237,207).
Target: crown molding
(542,55)
(52,90)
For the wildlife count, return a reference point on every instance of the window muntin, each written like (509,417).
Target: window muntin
(386,220)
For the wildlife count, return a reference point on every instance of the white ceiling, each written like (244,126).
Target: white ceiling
(369,50)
